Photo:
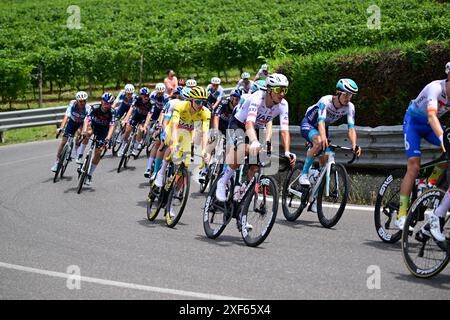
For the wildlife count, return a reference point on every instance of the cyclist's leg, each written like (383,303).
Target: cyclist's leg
(310,134)
(101,134)
(438,170)
(412,134)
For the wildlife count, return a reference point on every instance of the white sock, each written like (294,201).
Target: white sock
(227,175)
(81,149)
(91,172)
(150,162)
(163,167)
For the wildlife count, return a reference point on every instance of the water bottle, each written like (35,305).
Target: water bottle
(421,187)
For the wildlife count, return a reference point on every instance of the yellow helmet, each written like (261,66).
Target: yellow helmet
(198,93)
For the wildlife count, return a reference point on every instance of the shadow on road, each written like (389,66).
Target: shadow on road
(298,224)
(142,204)
(144,185)
(75,189)
(151,224)
(441,281)
(393,247)
(198,195)
(222,241)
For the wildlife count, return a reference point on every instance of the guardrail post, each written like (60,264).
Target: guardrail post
(2,137)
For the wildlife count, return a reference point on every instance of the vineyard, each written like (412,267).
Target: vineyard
(101,42)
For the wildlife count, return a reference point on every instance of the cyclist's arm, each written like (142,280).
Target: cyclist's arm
(268,131)
(435,124)
(216,122)
(352,137)
(86,121)
(63,123)
(286,140)
(322,130)
(251,131)
(321,124)
(111,130)
(205,132)
(128,115)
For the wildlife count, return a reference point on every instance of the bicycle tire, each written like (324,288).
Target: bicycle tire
(266,184)
(60,163)
(186,182)
(204,185)
(331,222)
(433,197)
(83,174)
(389,208)
(208,220)
(285,201)
(124,157)
(153,211)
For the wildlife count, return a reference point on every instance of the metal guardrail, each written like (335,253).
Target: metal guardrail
(383,146)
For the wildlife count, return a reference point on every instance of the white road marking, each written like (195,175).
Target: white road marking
(118,284)
(28,159)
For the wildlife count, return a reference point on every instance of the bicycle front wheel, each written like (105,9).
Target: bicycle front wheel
(387,206)
(423,256)
(82,177)
(154,202)
(259,211)
(332,196)
(178,196)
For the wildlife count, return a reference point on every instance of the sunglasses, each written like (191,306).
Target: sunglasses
(202,103)
(280,90)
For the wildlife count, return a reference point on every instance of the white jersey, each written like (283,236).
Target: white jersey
(254,109)
(326,111)
(168,108)
(245,88)
(432,98)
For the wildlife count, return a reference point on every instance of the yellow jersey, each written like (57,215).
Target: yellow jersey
(185,119)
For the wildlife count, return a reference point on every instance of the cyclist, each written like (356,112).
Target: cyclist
(263,73)
(100,122)
(245,84)
(157,153)
(257,112)
(136,116)
(422,121)
(314,126)
(179,129)
(222,115)
(215,93)
(77,112)
(123,103)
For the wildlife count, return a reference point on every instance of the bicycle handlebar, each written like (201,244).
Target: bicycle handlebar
(334,146)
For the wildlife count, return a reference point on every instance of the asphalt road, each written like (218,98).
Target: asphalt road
(47,230)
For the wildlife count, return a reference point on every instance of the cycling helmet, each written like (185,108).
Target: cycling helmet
(215,80)
(185,93)
(129,88)
(198,93)
(277,80)
(108,97)
(81,95)
(264,67)
(178,90)
(259,85)
(181,82)
(160,87)
(191,83)
(144,91)
(447,68)
(347,85)
(245,75)
(235,93)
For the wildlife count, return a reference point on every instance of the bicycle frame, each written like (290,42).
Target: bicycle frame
(324,173)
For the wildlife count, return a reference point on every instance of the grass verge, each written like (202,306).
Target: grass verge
(29,134)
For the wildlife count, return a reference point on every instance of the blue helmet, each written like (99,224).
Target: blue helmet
(144,91)
(347,85)
(259,85)
(108,97)
(185,93)
(235,93)
(178,90)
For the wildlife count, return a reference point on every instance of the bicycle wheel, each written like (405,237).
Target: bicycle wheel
(216,215)
(294,197)
(259,211)
(330,208)
(66,161)
(62,156)
(84,173)
(124,158)
(215,174)
(154,202)
(204,185)
(423,256)
(177,199)
(387,206)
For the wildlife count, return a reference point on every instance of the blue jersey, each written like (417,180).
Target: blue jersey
(140,107)
(214,95)
(75,112)
(326,111)
(224,111)
(158,103)
(98,118)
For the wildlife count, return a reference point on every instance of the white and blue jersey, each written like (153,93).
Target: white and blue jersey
(214,95)
(76,113)
(158,102)
(325,110)
(123,104)
(415,123)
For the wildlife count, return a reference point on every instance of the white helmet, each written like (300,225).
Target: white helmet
(447,68)
(160,87)
(245,75)
(215,80)
(81,95)
(129,88)
(277,80)
(191,83)
(264,67)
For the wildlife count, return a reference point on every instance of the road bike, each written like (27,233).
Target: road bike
(388,198)
(127,149)
(423,255)
(172,196)
(85,167)
(65,157)
(215,166)
(254,205)
(329,189)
